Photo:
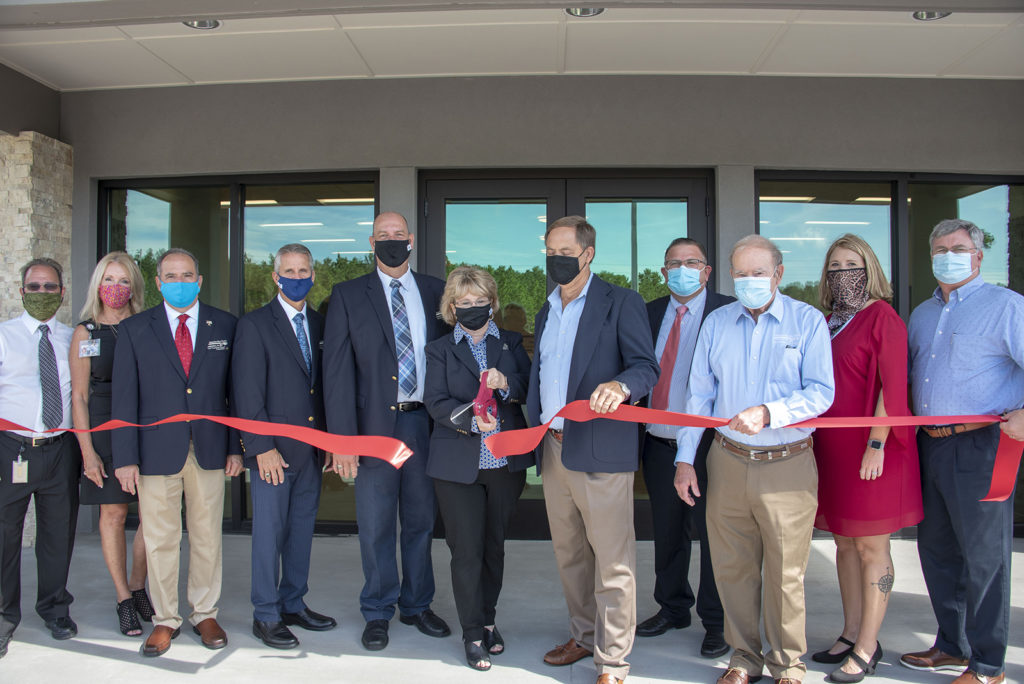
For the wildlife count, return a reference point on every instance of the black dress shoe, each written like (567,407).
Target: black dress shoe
(658,624)
(307,619)
(714,645)
(375,635)
(274,634)
(4,640)
(428,623)
(62,628)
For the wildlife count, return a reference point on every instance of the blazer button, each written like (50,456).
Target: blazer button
(188,391)
(310,391)
(311,419)
(392,408)
(394,377)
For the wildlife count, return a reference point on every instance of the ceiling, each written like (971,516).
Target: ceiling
(70,53)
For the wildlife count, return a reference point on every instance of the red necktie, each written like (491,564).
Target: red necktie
(183,341)
(659,397)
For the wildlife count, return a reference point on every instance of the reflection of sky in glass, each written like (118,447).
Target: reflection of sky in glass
(658,223)
(803,232)
(496,234)
(149,223)
(328,230)
(989,210)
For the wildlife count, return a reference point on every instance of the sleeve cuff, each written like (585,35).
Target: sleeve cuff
(778,415)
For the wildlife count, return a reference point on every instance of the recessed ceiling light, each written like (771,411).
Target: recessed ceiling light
(583,11)
(930,16)
(202,24)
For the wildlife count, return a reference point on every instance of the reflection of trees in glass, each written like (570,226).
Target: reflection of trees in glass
(806,292)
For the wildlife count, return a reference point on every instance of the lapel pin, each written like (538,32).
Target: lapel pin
(209,322)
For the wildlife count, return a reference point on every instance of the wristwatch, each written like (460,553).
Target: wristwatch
(625,390)
(875,444)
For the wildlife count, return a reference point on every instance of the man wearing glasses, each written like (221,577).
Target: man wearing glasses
(966,358)
(675,320)
(35,391)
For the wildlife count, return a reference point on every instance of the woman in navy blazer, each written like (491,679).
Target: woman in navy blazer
(476,492)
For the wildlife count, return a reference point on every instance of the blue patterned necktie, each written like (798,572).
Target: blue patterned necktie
(49,381)
(403,340)
(300,332)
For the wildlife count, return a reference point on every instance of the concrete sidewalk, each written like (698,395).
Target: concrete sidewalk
(531,615)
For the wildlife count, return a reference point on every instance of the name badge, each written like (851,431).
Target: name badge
(19,472)
(217,345)
(90,347)
(789,341)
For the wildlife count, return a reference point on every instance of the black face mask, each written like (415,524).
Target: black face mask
(562,269)
(473,317)
(392,253)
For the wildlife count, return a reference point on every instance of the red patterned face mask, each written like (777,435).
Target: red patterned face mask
(849,289)
(115,296)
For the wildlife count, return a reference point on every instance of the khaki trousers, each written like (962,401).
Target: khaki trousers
(591,519)
(760,519)
(160,510)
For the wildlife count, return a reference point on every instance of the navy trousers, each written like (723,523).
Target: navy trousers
(386,497)
(965,547)
(283,517)
(672,521)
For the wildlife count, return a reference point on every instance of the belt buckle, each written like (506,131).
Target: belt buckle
(38,441)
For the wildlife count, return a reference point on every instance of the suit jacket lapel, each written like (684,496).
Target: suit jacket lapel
(316,334)
(165,339)
(203,334)
(657,314)
(286,329)
(595,310)
(464,354)
(379,301)
(429,315)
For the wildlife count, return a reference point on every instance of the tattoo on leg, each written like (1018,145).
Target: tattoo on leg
(885,583)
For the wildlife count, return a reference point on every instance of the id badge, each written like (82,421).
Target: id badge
(19,474)
(90,347)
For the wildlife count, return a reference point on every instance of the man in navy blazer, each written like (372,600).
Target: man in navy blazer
(276,373)
(162,369)
(677,318)
(592,343)
(374,367)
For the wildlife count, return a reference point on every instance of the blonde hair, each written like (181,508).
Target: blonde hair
(878,286)
(463,280)
(94,305)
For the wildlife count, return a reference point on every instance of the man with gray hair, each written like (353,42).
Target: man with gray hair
(966,358)
(765,363)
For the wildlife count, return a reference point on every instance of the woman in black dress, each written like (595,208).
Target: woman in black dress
(115,292)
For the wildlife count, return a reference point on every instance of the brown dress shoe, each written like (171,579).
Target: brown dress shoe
(566,654)
(212,635)
(159,641)
(734,675)
(932,660)
(972,677)
(609,679)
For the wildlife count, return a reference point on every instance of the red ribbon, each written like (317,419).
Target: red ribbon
(1004,473)
(387,449)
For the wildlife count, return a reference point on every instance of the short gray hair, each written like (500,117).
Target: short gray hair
(760,242)
(293,248)
(175,250)
(943,228)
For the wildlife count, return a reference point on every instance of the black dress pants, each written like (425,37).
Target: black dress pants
(53,478)
(476,518)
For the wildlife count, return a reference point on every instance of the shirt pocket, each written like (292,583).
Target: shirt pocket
(786,360)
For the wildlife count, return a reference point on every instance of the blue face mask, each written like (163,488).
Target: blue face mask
(951,268)
(295,289)
(753,292)
(178,294)
(684,281)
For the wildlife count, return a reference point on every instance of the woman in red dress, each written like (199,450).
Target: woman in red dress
(869,481)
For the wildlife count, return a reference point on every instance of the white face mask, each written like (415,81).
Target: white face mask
(951,268)
(753,292)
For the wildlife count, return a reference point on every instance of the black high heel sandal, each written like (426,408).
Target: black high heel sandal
(476,657)
(127,620)
(833,658)
(866,668)
(493,642)
(142,605)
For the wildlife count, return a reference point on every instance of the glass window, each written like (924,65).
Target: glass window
(334,220)
(145,222)
(804,217)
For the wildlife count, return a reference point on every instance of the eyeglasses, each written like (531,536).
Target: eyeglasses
(689,263)
(956,250)
(36,287)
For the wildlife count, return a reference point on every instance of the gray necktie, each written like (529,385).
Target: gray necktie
(49,381)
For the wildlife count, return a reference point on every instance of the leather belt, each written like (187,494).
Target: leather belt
(36,441)
(667,442)
(557,434)
(410,405)
(937,431)
(766,454)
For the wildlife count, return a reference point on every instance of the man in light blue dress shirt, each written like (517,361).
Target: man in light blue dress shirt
(966,358)
(765,363)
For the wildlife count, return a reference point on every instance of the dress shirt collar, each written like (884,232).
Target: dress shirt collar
(289,310)
(172,314)
(406,279)
(695,304)
(460,333)
(555,298)
(961,293)
(33,323)
(776,310)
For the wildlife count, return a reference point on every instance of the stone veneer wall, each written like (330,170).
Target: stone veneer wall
(35,221)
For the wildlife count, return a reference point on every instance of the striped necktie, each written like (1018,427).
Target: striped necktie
(403,340)
(300,333)
(49,381)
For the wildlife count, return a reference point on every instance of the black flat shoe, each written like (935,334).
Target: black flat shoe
(274,634)
(657,625)
(714,645)
(375,635)
(493,642)
(127,619)
(307,619)
(476,657)
(143,606)
(428,623)
(833,658)
(62,628)
(866,668)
